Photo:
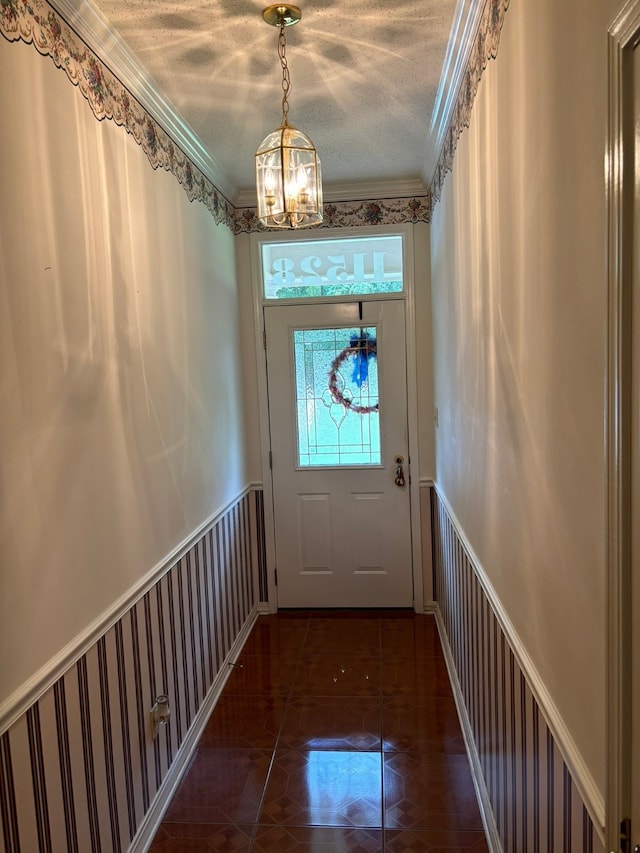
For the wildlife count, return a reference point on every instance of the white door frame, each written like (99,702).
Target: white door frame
(409,267)
(623,35)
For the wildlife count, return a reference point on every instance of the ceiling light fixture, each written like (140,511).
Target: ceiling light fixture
(288,177)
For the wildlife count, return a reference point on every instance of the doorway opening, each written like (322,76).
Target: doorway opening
(336,381)
(623,433)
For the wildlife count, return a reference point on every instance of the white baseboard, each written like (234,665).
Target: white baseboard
(12,708)
(587,788)
(153,818)
(484,803)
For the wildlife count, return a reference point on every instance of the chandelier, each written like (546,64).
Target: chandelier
(288,177)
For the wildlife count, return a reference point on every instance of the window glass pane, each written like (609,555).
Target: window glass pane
(336,383)
(346,267)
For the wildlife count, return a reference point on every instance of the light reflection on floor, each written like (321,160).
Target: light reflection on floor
(337,731)
(341,784)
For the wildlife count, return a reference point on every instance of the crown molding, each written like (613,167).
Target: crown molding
(214,187)
(354,192)
(99,35)
(484,46)
(466,20)
(90,24)
(375,189)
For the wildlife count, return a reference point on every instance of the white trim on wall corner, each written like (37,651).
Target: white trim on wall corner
(589,791)
(426,483)
(620,177)
(20,700)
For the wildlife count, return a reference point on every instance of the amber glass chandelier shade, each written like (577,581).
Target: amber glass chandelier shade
(288,180)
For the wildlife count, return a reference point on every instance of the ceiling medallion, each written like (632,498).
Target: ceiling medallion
(284,12)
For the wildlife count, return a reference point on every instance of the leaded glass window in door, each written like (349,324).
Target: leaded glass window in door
(337,398)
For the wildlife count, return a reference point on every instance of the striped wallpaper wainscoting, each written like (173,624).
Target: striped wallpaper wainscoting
(80,770)
(532,803)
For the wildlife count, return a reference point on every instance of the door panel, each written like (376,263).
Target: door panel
(342,525)
(314,512)
(367,513)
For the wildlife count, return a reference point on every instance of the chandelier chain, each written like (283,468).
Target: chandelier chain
(288,177)
(286,79)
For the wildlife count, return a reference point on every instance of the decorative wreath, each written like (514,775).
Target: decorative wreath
(362,349)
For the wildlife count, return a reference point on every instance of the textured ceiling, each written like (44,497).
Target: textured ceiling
(364,78)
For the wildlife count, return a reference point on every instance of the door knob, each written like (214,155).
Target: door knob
(399,478)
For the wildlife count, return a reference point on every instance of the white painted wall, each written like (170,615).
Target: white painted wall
(251,366)
(121,411)
(519,318)
(423,351)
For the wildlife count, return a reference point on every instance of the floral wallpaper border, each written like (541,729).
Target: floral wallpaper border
(347,213)
(485,47)
(35,22)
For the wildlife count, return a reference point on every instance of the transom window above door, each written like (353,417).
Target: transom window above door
(347,266)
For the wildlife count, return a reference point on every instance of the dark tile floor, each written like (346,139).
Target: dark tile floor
(336,731)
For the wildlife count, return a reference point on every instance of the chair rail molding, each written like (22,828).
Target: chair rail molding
(17,704)
(585,784)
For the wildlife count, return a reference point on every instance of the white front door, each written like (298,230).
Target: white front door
(339,441)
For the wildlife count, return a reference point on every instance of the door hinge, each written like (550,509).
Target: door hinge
(264,338)
(625,835)
(270,461)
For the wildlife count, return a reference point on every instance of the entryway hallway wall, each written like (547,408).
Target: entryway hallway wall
(131,494)
(518,278)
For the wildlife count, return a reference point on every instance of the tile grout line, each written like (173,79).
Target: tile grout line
(398,649)
(276,744)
